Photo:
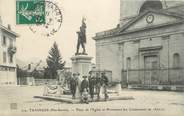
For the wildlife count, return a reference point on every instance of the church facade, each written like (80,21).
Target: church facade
(8,74)
(146,47)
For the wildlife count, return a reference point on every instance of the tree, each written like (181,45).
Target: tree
(37,74)
(54,62)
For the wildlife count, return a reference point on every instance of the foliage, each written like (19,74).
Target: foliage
(38,74)
(21,73)
(54,62)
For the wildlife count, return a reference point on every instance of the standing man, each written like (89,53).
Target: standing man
(73,85)
(105,84)
(98,85)
(79,80)
(84,84)
(92,82)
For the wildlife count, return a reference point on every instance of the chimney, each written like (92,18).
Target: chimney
(29,66)
(9,26)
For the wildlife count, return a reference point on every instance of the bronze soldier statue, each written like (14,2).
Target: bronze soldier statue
(82,38)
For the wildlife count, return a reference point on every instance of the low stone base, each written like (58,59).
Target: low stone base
(158,87)
(68,99)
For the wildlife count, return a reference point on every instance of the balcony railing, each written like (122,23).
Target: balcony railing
(12,50)
(171,76)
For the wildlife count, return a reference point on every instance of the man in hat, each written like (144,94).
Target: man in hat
(84,84)
(79,80)
(92,82)
(98,85)
(73,85)
(105,81)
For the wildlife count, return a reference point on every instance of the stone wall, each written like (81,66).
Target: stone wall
(8,77)
(4,48)
(170,45)
(108,58)
(112,52)
(7,70)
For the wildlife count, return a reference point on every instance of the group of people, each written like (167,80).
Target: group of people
(90,85)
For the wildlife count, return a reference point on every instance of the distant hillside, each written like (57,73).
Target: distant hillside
(21,63)
(39,65)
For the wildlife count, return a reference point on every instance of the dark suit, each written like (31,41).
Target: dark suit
(105,82)
(98,86)
(84,84)
(92,83)
(73,86)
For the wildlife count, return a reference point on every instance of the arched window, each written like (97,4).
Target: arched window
(151,4)
(176,60)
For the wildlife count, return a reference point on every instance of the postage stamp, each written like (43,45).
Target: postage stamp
(53,20)
(30,11)
(44,17)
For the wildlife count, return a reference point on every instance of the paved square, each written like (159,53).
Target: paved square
(153,103)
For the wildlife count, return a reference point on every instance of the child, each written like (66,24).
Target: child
(85,96)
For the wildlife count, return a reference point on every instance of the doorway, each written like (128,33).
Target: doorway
(151,70)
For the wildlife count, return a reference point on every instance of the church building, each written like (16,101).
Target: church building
(8,74)
(147,46)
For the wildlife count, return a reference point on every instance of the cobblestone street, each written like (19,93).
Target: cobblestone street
(144,103)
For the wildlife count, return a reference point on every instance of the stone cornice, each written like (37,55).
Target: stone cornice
(150,48)
(82,58)
(9,31)
(137,30)
(151,27)
(118,41)
(7,66)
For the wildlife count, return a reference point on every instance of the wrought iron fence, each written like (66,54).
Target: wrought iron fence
(171,76)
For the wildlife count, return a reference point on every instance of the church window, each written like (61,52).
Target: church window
(128,63)
(176,60)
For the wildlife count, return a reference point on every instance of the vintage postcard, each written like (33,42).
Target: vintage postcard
(92,57)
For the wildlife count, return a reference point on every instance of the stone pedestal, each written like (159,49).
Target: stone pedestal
(118,88)
(81,64)
(77,94)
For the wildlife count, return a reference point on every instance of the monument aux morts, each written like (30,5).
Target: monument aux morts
(81,62)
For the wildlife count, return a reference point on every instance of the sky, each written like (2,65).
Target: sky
(100,15)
